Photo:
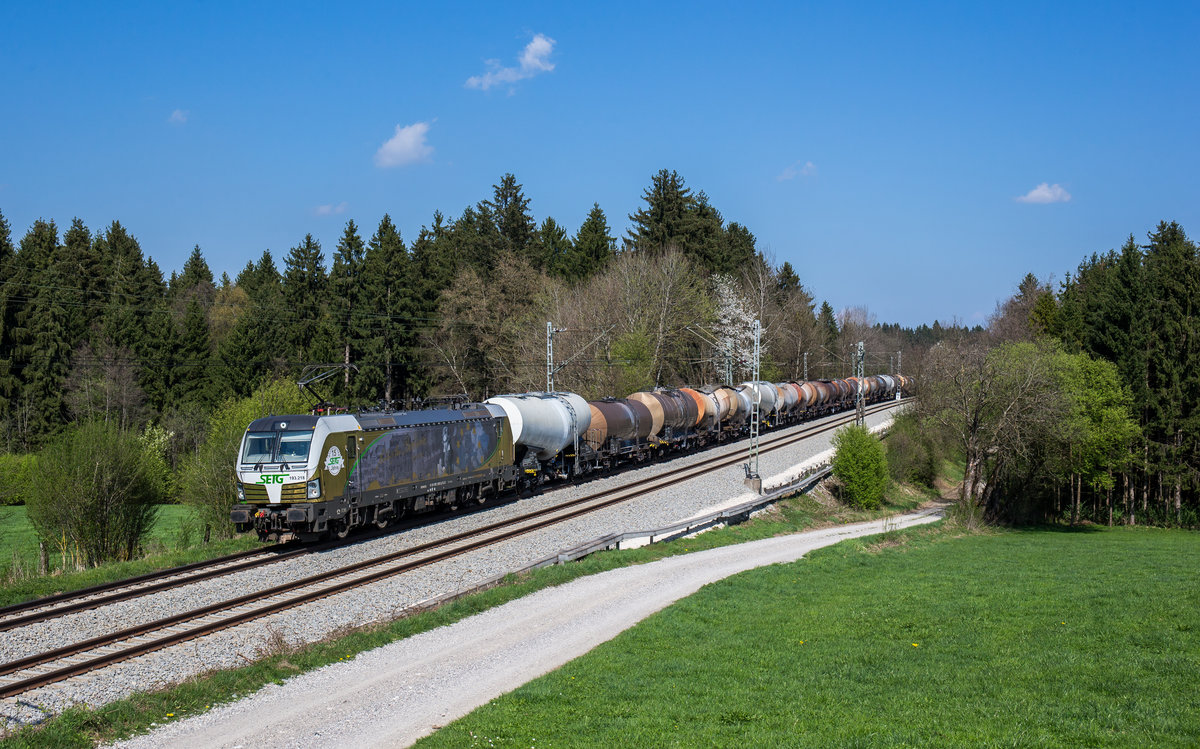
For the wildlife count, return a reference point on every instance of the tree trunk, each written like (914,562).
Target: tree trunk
(1108,501)
(1075,485)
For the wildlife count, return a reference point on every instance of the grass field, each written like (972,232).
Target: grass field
(175,539)
(927,638)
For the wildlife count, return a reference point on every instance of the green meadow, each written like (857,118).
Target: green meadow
(176,538)
(927,637)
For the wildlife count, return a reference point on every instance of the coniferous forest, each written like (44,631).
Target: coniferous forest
(93,330)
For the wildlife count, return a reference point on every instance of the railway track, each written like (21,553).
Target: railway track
(51,607)
(25,674)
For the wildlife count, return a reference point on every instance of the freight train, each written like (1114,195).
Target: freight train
(315,476)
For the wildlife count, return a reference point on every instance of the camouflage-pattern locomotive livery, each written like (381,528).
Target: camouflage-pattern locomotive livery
(313,476)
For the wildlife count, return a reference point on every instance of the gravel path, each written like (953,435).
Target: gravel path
(396,694)
(378,602)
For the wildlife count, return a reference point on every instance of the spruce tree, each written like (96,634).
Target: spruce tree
(193,383)
(594,245)
(346,316)
(304,287)
(509,210)
(1173,364)
(42,350)
(132,288)
(476,239)
(196,282)
(708,243)
(668,219)
(741,248)
(28,276)
(828,327)
(155,341)
(786,280)
(162,378)
(8,305)
(555,253)
(390,298)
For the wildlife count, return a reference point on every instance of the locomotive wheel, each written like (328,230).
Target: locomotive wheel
(341,530)
(382,522)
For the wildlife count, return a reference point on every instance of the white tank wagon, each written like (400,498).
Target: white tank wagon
(544,423)
(768,395)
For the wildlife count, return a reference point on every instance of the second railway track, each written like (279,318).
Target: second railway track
(24,674)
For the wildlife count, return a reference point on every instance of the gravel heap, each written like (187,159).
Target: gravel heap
(378,602)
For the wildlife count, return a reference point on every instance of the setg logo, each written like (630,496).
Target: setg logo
(272,478)
(333,461)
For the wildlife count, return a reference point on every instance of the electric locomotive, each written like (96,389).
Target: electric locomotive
(317,475)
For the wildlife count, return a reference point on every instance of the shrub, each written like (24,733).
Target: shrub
(16,473)
(93,495)
(860,464)
(208,479)
(911,453)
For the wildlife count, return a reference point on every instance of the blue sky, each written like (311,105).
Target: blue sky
(882,149)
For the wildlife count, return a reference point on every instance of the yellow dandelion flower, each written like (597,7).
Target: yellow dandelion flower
(170,715)
(915,645)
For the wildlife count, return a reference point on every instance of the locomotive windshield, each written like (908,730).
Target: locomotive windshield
(276,447)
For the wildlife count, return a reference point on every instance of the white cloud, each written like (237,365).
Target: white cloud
(806,169)
(1045,193)
(331,209)
(533,60)
(178,117)
(407,146)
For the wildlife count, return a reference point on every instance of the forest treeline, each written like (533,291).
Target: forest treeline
(1082,401)
(91,328)
(100,352)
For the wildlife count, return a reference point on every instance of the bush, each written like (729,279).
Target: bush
(912,455)
(16,473)
(860,464)
(93,496)
(208,479)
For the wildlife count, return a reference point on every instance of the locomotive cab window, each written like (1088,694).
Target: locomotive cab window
(259,447)
(276,447)
(293,446)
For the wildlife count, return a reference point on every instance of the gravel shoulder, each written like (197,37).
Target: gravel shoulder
(396,694)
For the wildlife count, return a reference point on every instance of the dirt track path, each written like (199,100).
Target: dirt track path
(396,694)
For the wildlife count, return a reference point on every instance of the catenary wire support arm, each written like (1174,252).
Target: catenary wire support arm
(556,368)
(728,355)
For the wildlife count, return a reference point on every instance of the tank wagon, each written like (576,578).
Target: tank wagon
(314,476)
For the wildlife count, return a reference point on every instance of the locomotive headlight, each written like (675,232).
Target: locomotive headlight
(314,489)
(241,493)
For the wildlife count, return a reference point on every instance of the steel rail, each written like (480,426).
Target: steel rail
(92,590)
(576,507)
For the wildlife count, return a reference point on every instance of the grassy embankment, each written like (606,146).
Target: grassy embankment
(173,541)
(1049,637)
(79,727)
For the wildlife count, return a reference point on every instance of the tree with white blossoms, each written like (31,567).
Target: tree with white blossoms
(734,326)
